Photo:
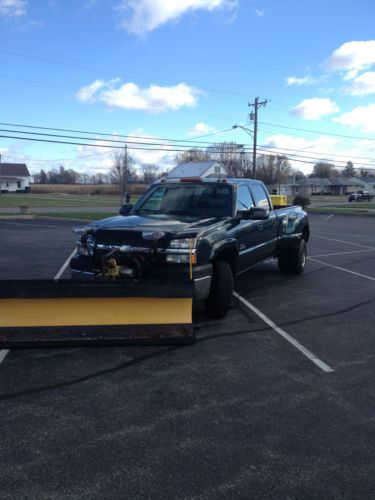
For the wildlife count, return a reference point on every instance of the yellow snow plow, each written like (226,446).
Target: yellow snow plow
(48,312)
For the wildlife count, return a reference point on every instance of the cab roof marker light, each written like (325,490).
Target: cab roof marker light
(191,179)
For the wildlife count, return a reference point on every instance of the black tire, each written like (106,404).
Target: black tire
(221,292)
(294,261)
(284,263)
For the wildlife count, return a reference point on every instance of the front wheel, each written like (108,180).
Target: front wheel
(221,291)
(294,260)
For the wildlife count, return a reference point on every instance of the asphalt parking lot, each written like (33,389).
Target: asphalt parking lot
(242,414)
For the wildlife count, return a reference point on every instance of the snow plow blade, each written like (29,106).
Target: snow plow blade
(50,313)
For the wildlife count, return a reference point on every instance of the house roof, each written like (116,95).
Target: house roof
(367,179)
(313,181)
(332,181)
(14,169)
(193,169)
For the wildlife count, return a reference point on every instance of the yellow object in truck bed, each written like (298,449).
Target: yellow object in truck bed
(279,201)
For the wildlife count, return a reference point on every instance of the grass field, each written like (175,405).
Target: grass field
(9,200)
(88,189)
(340,211)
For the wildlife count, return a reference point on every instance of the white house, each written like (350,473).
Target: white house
(310,186)
(209,168)
(14,178)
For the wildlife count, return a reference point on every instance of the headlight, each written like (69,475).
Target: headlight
(85,244)
(182,243)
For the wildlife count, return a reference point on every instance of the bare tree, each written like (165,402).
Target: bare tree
(273,169)
(193,154)
(324,170)
(150,173)
(123,170)
(349,170)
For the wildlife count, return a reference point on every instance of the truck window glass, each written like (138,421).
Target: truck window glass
(260,196)
(213,200)
(244,199)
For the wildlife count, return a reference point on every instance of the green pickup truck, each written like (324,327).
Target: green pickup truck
(207,229)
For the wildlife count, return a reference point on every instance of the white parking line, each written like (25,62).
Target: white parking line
(343,269)
(318,362)
(342,241)
(329,217)
(64,266)
(4,352)
(342,253)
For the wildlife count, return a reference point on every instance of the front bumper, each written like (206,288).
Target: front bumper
(82,269)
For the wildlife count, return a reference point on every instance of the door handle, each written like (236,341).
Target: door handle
(260,226)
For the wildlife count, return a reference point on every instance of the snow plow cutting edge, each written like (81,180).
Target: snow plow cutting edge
(48,312)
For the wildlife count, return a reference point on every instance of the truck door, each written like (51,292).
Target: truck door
(247,231)
(267,229)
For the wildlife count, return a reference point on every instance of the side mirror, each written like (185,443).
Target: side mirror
(255,213)
(259,213)
(126,209)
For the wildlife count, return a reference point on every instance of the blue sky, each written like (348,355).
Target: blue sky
(184,69)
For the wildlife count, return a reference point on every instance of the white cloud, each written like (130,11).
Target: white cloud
(361,117)
(314,109)
(352,57)
(154,99)
(200,129)
(88,93)
(259,13)
(294,80)
(141,16)
(13,8)
(362,85)
(164,159)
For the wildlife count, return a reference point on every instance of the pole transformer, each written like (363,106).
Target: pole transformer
(254,117)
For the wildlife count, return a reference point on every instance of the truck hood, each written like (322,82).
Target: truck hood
(169,224)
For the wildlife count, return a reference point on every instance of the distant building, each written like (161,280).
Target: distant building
(209,168)
(14,178)
(336,186)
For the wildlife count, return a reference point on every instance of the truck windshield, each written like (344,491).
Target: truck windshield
(200,200)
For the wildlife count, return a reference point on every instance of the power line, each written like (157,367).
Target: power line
(94,68)
(342,147)
(60,136)
(106,134)
(327,154)
(294,155)
(318,132)
(51,141)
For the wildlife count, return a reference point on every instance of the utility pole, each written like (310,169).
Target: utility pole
(124,176)
(254,117)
